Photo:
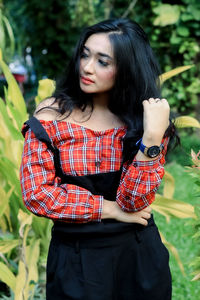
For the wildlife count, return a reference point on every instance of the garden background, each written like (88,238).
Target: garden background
(37,39)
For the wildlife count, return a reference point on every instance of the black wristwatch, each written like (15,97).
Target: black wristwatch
(151,152)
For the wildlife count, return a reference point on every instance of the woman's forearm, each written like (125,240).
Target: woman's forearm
(111,210)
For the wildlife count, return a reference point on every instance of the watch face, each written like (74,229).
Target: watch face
(153,151)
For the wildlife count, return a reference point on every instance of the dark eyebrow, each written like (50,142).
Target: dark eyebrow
(99,53)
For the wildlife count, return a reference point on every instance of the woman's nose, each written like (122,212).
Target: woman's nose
(89,66)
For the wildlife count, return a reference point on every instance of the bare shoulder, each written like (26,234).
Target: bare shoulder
(46,110)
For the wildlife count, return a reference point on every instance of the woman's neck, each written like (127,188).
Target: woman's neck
(100,101)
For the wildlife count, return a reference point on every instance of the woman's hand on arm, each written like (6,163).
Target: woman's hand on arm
(155,122)
(111,210)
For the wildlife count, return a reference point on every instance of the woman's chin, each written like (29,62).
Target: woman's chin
(87,90)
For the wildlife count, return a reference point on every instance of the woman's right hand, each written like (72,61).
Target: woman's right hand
(111,210)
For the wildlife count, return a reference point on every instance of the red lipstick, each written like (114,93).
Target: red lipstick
(86,80)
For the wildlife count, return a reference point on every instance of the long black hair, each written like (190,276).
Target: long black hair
(137,78)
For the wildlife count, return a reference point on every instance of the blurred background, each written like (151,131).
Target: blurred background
(45,32)
(37,38)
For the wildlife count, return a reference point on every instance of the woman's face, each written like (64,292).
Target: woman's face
(97,66)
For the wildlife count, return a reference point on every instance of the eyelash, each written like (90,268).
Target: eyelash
(101,62)
(84,55)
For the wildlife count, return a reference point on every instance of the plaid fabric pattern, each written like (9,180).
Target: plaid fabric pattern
(83,152)
(140,181)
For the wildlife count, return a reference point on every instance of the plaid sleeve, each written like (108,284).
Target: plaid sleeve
(42,192)
(139,182)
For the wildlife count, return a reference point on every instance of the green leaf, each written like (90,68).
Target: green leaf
(21,281)
(186,121)
(11,177)
(175,40)
(186,17)
(167,14)
(6,123)
(5,219)
(196,277)
(42,229)
(24,219)
(16,119)
(2,32)
(4,200)
(45,89)
(194,9)
(32,256)
(183,31)
(14,93)
(7,276)
(172,207)
(169,185)
(10,35)
(167,75)
(7,245)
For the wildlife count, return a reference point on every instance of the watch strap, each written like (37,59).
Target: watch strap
(144,149)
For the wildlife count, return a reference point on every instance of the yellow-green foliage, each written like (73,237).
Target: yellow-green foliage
(13,217)
(46,88)
(23,283)
(12,115)
(195,173)
(7,41)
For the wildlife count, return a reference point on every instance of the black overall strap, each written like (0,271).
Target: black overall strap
(39,131)
(41,134)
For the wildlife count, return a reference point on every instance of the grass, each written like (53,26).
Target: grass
(179,232)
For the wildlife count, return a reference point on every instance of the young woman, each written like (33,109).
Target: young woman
(92,162)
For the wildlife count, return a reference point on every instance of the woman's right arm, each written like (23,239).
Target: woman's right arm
(42,192)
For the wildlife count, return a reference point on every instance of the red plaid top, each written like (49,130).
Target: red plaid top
(82,152)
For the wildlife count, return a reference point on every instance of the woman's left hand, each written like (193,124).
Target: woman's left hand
(155,120)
